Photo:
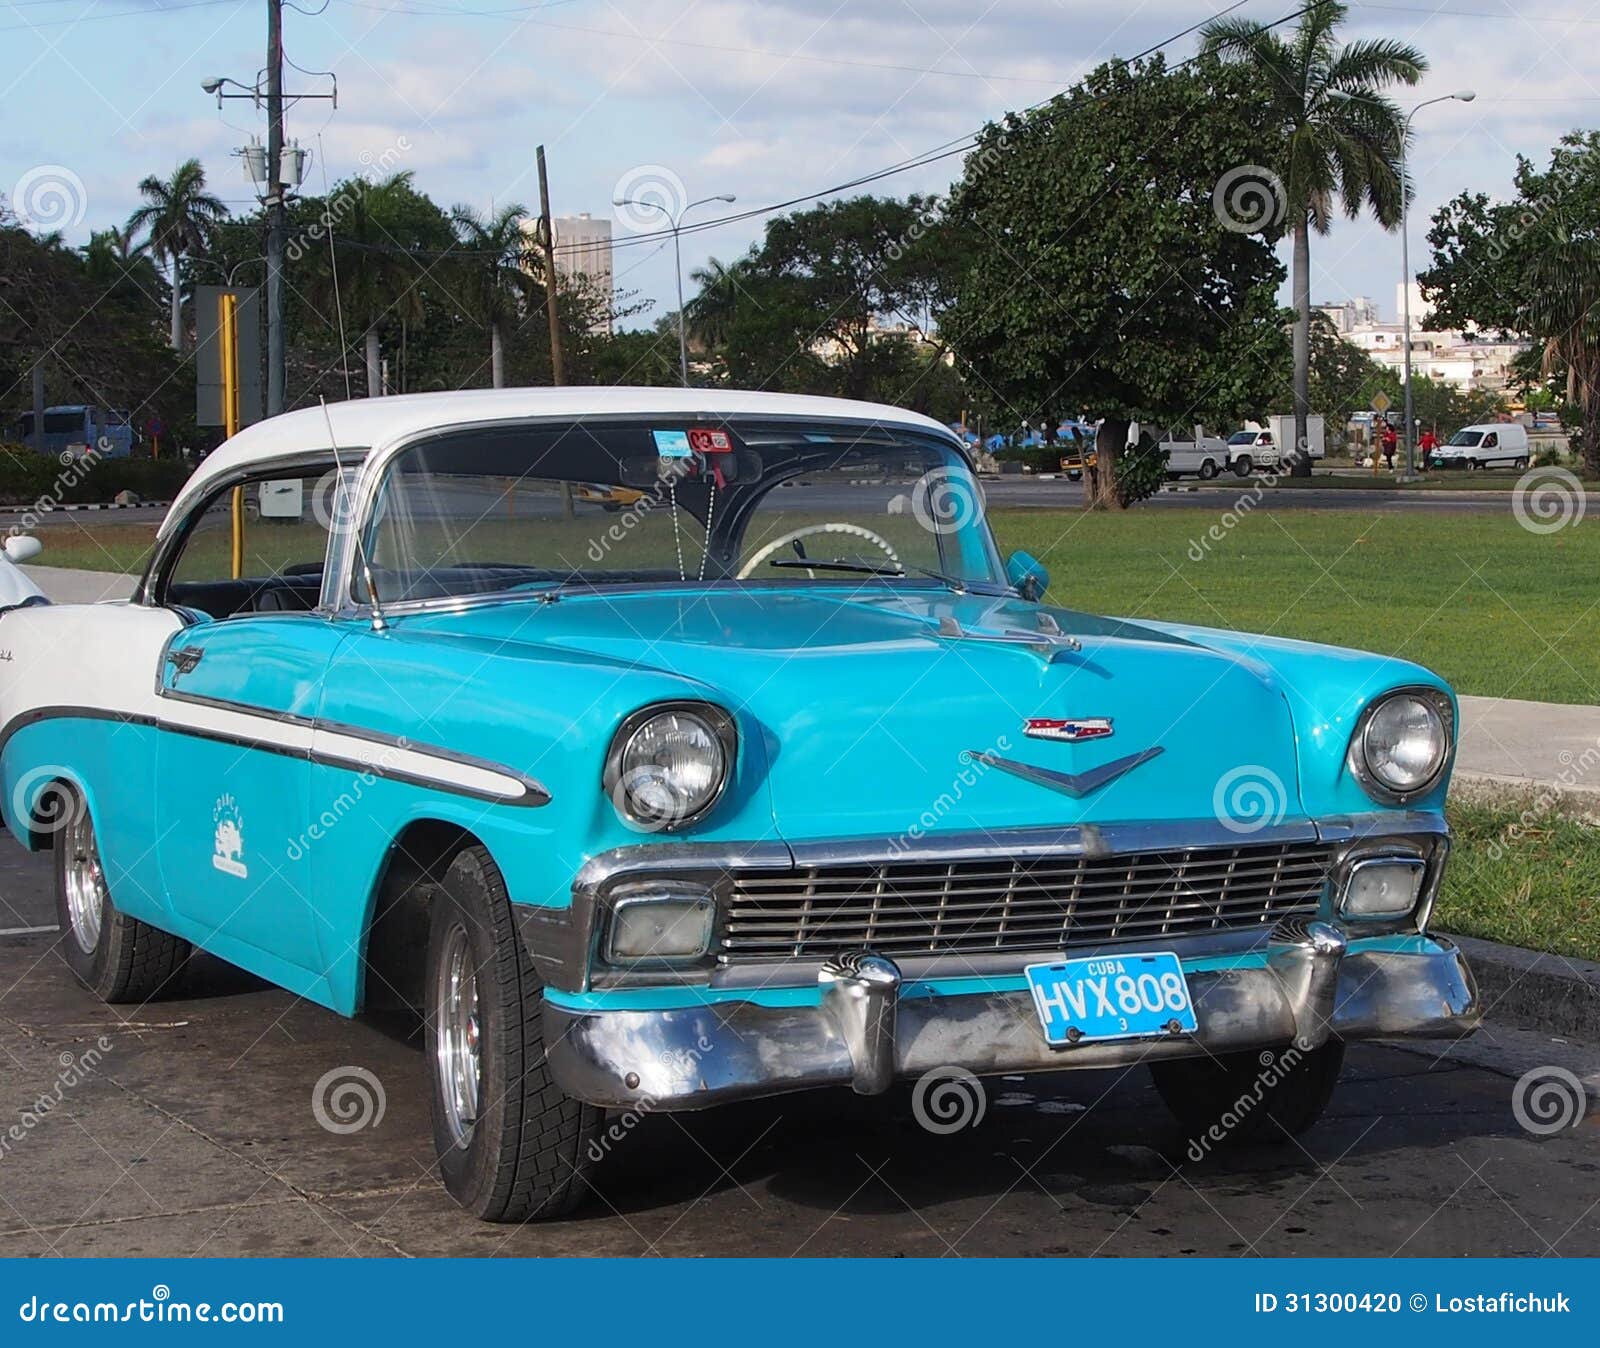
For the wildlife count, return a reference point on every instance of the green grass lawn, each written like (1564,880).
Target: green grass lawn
(1493,608)
(1533,884)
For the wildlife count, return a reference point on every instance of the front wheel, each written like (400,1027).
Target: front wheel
(1473,465)
(1242,466)
(512,1147)
(117,957)
(1269,1096)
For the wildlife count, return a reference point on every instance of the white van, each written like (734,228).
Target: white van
(1491,445)
(1204,455)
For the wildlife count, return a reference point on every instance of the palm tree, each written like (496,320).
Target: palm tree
(497,265)
(118,265)
(179,215)
(1340,137)
(710,313)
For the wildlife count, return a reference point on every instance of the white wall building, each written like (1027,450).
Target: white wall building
(583,254)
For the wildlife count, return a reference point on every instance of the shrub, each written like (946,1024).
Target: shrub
(27,478)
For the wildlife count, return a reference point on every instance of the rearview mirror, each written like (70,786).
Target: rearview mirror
(1028,574)
(23,547)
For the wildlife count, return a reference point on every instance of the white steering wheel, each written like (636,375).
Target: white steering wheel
(853,530)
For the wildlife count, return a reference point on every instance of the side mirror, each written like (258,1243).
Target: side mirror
(22,547)
(1027,573)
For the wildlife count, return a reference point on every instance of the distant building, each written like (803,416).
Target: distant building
(1421,310)
(583,255)
(1349,314)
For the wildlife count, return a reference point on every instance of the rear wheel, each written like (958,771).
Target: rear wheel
(1208,470)
(1520,464)
(1269,1096)
(512,1147)
(117,957)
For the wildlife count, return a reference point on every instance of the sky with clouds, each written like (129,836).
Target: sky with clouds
(763,100)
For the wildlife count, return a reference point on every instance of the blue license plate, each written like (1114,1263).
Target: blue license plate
(1112,997)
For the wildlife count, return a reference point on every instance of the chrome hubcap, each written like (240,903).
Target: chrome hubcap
(85,882)
(456,1051)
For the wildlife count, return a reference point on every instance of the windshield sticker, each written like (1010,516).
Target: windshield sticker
(672,444)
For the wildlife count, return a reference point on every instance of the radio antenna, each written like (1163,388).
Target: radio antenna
(378,624)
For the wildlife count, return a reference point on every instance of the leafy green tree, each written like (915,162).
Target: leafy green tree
(1340,138)
(835,299)
(179,216)
(1532,265)
(1097,278)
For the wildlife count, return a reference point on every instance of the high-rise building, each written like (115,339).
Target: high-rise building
(583,253)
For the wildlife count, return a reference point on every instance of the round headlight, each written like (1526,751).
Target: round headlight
(1403,743)
(667,766)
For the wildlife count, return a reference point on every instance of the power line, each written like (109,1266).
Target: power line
(119,14)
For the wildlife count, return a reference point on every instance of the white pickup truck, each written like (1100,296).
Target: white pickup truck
(1205,455)
(1259,448)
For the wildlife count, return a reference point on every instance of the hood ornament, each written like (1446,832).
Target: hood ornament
(1048,641)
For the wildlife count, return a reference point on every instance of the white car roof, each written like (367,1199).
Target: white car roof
(372,423)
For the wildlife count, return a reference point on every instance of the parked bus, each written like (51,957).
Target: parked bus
(75,428)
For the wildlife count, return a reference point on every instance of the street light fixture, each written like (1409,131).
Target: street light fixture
(1460,96)
(676,223)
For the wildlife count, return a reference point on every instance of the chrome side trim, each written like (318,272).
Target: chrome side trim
(533,793)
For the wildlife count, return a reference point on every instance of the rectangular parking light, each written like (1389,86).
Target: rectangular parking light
(660,923)
(1382,887)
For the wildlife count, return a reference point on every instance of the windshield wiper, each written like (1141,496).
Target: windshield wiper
(870,569)
(837,564)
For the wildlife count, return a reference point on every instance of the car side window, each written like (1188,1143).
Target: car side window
(285,546)
(1491,441)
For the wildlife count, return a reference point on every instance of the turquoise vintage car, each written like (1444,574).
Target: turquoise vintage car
(777,777)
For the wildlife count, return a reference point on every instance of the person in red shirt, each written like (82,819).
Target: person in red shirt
(1427,444)
(1391,440)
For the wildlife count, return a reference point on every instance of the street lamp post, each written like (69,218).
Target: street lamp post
(676,224)
(1461,96)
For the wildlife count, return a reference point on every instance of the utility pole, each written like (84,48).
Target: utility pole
(277,374)
(547,242)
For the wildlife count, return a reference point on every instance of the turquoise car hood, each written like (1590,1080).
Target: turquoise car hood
(862,718)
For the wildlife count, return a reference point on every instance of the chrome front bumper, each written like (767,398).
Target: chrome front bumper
(865,1030)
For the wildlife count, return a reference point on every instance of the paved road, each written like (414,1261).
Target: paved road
(195,1134)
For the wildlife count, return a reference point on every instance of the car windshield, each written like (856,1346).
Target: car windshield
(1242,437)
(671,502)
(1466,437)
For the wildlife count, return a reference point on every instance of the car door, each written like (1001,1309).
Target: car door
(237,694)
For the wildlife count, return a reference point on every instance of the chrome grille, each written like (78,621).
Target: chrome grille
(997,904)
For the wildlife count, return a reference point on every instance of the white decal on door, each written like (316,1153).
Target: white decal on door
(228,849)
